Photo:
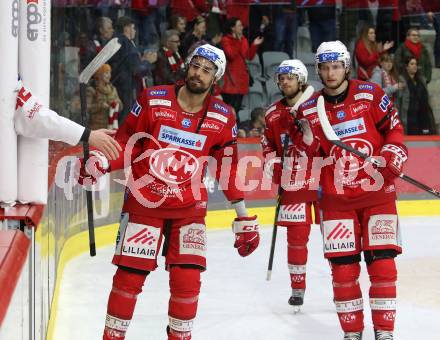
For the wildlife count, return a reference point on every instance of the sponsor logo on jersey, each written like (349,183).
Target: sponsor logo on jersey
(367,87)
(357,109)
(217,116)
(382,229)
(292,213)
(173,165)
(350,128)
(341,115)
(158,93)
(136,109)
(163,113)
(210,125)
(221,108)
(192,239)
(363,95)
(310,111)
(140,241)
(186,122)
(308,103)
(181,138)
(339,236)
(234,131)
(163,102)
(384,103)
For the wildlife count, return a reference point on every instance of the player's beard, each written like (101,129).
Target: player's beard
(290,93)
(194,87)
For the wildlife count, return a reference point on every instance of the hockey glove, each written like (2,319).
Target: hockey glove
(272,169)
(96,167)
(395,156)
(247,236)
(302,136)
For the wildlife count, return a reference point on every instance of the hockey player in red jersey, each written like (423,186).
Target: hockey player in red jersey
(171,131)
(295,210)
(358,204)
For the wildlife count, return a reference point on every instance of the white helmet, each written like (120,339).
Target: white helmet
(330,51)
(213,54)
(292,66)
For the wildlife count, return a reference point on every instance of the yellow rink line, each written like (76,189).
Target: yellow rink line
(216,219)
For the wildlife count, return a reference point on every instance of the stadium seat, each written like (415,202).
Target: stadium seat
(255,98)
(271,60)
(273,92)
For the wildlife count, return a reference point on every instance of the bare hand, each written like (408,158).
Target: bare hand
(103,140)
(388,45)
(258,41)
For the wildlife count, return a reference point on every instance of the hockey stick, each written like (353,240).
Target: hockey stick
(306,95)
(101,58)
(334,139)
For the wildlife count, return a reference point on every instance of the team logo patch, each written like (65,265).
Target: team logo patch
(193,239)
(181,138)
(221,108)
(158,93)
(234,131)
(363,95)
(217,116)
(382,230)
(359,144)
(211,125)
(186,122)
(341,115)
(339,236)
(358,108)
(292,213)
(163,113)
(367,87)
(136,109)
(350,128)
(163,102)
(384,103)
(172,165)
(140,241)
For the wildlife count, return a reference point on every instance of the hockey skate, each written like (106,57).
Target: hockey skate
(297,299)
(352,336)
(383,335)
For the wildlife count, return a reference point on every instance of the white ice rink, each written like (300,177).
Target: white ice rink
(236,302)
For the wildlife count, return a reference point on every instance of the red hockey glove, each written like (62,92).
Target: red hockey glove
(302,136)
(395,156)
(247,236)
(96,166)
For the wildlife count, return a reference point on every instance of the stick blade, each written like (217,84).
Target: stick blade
(100,59)
(323,119)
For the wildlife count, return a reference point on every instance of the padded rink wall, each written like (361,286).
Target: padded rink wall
(9,25)
(62,230)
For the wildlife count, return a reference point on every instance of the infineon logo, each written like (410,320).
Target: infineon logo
(181,138)
(350,128)
(158,93)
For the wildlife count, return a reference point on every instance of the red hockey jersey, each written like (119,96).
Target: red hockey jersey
(366,120)
(169,149)
(298,184)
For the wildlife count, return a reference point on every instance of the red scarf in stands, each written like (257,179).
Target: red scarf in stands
(175,65)
(416,49)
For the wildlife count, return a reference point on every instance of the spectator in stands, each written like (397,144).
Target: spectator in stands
(169,66)
(322,24)
(198,34)
(126,65)
(149,59)
(387,76)
(355,14)
(190,9)
(435,19)
(145,16)
(255,126)
(237,51)
(105,102)
(412,47)
(413,102)
(178,23)
(285,27)
(104,27)
(367,52)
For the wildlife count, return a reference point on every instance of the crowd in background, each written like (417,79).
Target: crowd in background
(384,37)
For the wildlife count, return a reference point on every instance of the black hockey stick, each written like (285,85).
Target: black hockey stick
(334,139)
(306,95)
(101,58)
